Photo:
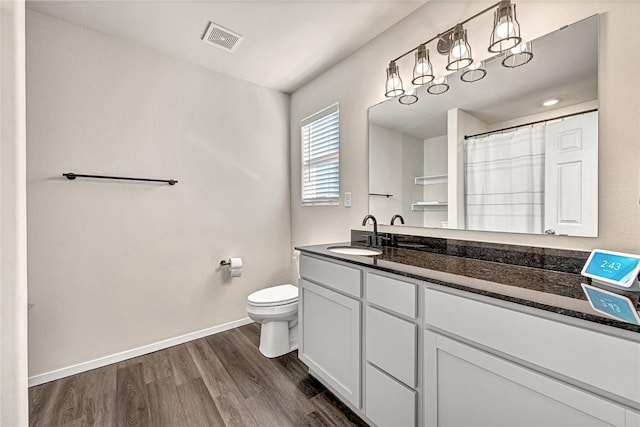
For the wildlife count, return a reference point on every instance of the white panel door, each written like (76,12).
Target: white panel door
(468,387)
(571,176)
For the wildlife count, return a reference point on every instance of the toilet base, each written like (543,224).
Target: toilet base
(276,339)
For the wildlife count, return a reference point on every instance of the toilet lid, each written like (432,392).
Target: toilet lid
(275,295)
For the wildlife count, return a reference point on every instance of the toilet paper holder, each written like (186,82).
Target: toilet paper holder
(234,265)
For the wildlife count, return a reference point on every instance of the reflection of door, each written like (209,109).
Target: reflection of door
(571,176)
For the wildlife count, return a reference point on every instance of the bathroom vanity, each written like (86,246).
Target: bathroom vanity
(484,337)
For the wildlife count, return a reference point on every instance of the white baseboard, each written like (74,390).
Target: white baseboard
(135,352)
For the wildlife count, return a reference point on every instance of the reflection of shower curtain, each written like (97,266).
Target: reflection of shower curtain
(504,181)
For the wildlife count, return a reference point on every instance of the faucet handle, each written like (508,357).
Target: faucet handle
(382,239)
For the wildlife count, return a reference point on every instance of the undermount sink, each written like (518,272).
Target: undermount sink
(352,250)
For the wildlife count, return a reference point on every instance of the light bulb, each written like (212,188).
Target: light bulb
(505,27)
(518,49)
(438,86)
(394,82)
(459,49)
(474,72)
(518,55)
(422,67)
(409,97)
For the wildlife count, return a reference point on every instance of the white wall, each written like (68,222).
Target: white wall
(412,166)
(386,172)
(117,265)
(547,115)
(396,159)
(435,163)
(13,228)
(459,124)
(358,82)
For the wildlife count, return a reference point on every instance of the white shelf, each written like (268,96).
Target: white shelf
(422,206)
(431,180)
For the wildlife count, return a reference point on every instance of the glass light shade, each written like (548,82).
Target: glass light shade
(394,82)
(506,29)
(409,97)
(474,72)
(518,56)
(438,86)
(460,53)
(423,70)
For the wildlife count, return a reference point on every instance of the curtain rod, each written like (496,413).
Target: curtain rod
(530,123)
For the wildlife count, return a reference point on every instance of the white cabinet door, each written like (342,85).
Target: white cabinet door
(571,176)
(330,338)
(468,387)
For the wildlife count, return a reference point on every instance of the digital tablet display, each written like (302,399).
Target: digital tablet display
(612,267)
(611,304)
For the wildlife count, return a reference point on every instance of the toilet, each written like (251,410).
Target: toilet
(276,308)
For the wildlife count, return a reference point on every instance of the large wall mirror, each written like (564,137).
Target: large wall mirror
(489,155)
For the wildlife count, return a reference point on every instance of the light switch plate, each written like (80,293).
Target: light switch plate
(347,199)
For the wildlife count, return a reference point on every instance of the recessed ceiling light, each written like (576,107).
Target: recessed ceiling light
(550,102)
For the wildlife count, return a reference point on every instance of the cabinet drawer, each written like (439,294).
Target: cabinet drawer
(392,345)
(600,360)
(339,277)
(395,295)
(388,403)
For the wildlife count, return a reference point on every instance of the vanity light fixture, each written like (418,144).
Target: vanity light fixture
(474,72)
(460,52)
(409,97)
(423,70)
(506,29)
(394,82)
(505,37)
(438,86)
(518,56)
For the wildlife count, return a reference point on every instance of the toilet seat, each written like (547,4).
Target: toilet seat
(274,296)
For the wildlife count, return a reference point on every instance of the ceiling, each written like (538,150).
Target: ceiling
(285,45)
(565,66)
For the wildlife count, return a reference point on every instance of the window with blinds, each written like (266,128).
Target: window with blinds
(321,157)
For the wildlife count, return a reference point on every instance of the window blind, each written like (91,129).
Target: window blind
(321,157)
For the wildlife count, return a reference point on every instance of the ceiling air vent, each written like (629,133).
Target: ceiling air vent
(221,37)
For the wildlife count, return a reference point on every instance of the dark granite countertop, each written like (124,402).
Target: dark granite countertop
(555,291)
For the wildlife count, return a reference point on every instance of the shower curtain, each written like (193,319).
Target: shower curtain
(504,181)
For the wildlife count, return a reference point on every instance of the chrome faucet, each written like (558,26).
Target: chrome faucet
(397,216)
(375,227)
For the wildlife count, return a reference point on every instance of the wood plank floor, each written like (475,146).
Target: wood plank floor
(220,380)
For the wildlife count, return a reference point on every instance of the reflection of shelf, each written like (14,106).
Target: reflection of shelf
(422,206)
(431,180)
